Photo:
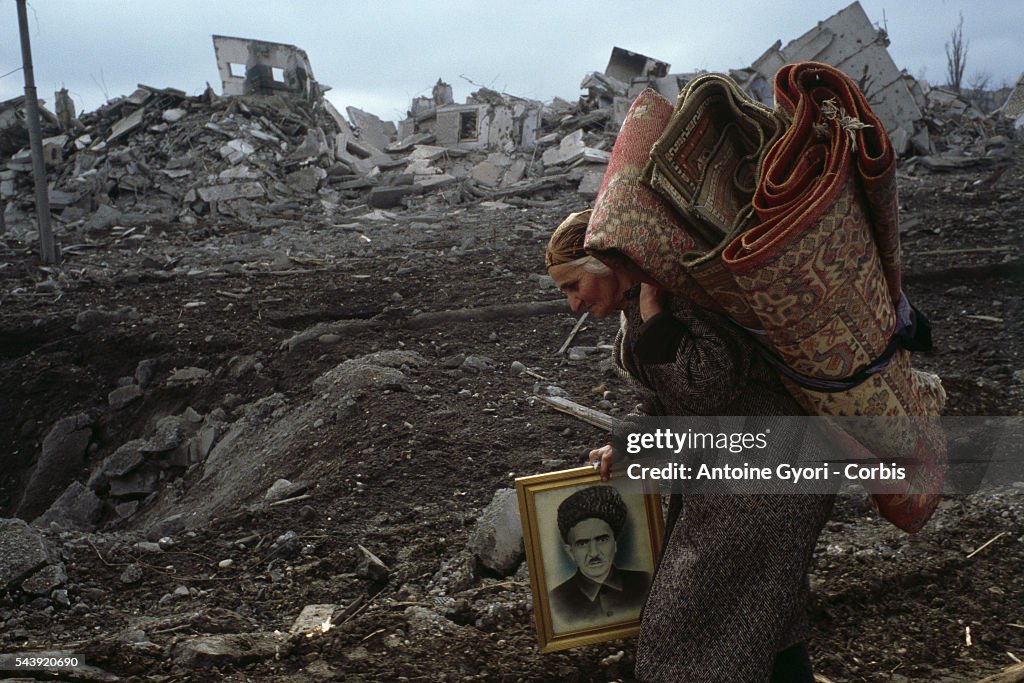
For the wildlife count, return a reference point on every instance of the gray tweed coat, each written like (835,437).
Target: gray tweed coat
(731,590)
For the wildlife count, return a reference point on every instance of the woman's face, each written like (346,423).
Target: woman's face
(599,294)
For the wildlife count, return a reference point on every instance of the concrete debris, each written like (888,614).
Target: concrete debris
(314,619)
(625,66)
(49,578)
(273,146)
(250,67)
(1013,108)
(77,508)
(371,567)
(228,648)
(849,41)
(283,489)
(62,456)
(22,552)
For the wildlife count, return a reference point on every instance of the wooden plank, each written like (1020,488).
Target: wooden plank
(581,412)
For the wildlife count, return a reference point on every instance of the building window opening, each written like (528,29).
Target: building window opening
(468,126)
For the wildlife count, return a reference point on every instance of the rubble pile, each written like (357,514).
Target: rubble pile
(158,157)
(272,147)
(960,134)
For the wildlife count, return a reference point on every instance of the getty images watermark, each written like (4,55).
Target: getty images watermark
(812,455)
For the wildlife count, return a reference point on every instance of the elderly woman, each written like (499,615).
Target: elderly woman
(729,600)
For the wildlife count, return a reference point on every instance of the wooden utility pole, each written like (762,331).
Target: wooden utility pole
(47,247)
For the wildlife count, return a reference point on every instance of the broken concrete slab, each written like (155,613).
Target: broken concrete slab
(386,197)
(45,580)
(370,566)
(306,180)
(137,484)
(236,151)
(409,142)
(126,125)
(314,619)
(624,66)
(850,42)
(228,648)
(569,150)
(62,456)
(125,459)
(426,153)
(952,162)
(514,173)
(591,181)
(1013,108)
(122,396)
(220,193)
(434,182)
(77,508)
(259,67)
(173,115)
(22,552)
(370,129)
(487,173)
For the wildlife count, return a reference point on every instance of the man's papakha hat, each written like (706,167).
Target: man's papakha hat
(602,502)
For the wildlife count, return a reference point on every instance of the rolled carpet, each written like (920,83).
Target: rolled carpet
(808,262)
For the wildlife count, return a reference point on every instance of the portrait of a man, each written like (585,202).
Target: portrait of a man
(590,523)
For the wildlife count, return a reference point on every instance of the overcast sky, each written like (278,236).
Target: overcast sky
(377,55)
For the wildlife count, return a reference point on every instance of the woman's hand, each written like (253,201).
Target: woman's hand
(650,301)
(605,457)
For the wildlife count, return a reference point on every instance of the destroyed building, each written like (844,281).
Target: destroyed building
(487,120)
(272,146)
(1013,108)
(259,67)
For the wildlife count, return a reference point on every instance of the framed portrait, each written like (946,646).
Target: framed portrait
(591,548)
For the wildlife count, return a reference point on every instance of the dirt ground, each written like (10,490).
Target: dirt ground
(405,470)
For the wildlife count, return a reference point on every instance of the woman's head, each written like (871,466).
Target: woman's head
(588,283)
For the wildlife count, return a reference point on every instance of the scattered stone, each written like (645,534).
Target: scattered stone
(358,376)
(145,371)
(63,455)
(371,567)
(122,396)
(188,376)
(497,538)
(93,319)
(474,365)
(22,551)
(283,489)
(226,649)
(517,368)
(61,598)
(148,547)
(50,577)
(314,619)
(456,574)
(132,574)
(77,508)
(549,390)
(169,526)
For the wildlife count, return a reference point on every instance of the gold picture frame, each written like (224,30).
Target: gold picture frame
(568,604)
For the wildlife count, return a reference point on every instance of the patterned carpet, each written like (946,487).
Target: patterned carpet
(787,222)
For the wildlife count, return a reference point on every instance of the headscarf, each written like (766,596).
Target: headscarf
(566,243)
